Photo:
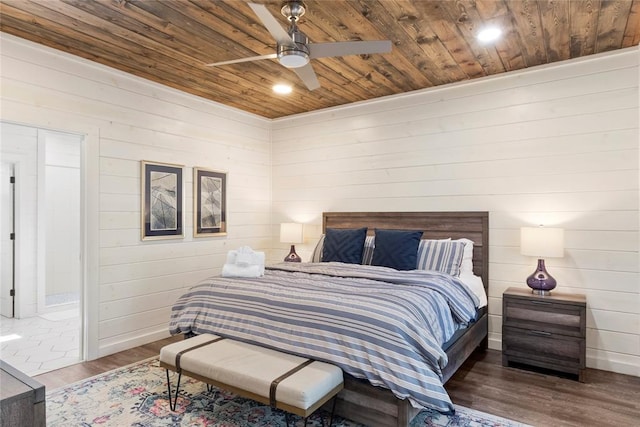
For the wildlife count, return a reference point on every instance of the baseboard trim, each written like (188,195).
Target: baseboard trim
(495,343)
(137,341)
(613,362)
(596,359)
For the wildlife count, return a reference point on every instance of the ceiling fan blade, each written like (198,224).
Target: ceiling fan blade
(323,50)
(308,76)
(272,25)
(236,61)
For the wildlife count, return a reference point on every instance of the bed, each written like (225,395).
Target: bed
(360,400)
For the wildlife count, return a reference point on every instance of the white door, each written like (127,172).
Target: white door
(6,252)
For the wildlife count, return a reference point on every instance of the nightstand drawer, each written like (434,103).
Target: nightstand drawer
(547,316)
(543,348)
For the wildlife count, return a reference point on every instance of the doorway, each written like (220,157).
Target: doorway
(47,263)
(59,255)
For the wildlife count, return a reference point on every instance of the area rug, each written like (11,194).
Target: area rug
(136,396)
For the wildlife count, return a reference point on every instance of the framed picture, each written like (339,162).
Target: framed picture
(209,203)
(161,201)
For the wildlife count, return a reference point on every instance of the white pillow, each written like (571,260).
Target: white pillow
(467,256)
(474,283)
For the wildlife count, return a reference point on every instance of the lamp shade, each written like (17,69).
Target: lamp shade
(542,242)
(290,232)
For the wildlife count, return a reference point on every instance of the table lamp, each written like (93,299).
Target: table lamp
(541,242)
(291,232)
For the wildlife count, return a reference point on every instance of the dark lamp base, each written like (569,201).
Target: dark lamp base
(293,256)
(541,282)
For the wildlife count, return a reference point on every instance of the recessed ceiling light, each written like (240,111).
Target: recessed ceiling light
(282,89)
(489,34)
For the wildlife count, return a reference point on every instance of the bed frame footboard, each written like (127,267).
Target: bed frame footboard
(377,407)
(373,406)
(475,338)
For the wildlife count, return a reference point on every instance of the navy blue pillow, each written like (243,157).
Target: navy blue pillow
(344,245)
(397,249)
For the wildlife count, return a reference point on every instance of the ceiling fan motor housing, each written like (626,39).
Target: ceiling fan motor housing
(296,54)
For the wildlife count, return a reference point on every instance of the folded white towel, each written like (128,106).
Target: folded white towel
(233,270)
(246,257)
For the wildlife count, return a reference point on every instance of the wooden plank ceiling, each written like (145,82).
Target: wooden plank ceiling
(170,41)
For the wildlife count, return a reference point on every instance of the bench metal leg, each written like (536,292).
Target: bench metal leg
(173,402)
(333,411)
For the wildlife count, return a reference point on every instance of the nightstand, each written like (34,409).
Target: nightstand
(22,399)
(544,331)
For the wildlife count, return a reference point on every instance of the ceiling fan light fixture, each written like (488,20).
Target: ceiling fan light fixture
(296,54)
(293,58)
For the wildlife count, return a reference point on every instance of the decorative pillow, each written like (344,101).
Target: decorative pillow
(367,255)
(344,245)
(316,256)
(369,246)
(444,256)
(396,249)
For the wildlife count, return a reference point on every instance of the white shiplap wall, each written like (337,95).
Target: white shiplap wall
(554,145)
(132,284)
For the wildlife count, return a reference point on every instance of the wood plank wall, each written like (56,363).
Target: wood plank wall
(555,145)
(133,120)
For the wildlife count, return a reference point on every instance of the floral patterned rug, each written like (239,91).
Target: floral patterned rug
(136,396)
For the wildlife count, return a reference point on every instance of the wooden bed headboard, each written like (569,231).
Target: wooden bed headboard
(434,225)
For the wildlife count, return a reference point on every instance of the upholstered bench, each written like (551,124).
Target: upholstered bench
(291,383)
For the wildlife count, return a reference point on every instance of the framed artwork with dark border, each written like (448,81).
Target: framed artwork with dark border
(161,201)
(209,203)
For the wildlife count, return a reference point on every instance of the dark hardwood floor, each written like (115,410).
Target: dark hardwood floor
(482,383)
(532,397)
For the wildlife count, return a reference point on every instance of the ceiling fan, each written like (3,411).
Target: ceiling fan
(294,50)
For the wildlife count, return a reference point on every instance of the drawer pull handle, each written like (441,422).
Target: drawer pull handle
(541,333)
(541,302)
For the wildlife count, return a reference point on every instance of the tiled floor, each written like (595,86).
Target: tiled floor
(40,344)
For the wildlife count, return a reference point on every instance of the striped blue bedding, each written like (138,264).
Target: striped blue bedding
(376,323)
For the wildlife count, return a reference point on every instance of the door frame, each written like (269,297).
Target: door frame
(14,160)
(89,215)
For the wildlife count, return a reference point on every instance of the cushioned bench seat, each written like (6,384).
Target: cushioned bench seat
(291,383)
